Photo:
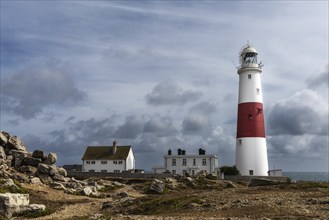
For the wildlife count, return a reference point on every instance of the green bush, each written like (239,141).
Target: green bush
(230,170)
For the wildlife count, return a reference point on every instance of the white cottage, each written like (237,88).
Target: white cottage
(183,164)
(112,159)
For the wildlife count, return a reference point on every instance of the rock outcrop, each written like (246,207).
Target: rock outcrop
(14,203)
(17,163)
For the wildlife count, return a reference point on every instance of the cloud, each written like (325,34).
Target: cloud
(31,90)
(319,80)
(160,126)
(132,127)
(194,124)
(305,112)
(169,93)
(204,107)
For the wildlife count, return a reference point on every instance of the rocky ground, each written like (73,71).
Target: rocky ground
(184,199)
(50,194)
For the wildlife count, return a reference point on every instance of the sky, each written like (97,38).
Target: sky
(161,75)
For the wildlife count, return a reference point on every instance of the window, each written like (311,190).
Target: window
(103,162)
(173,171)
(249,76)
(88,162)
(115,162)
(193,172)
(257,91)
(120,161)
(240,141)
(91,171)
(204,162)
(250,116)
(194,163)
(116,171)
(103,171)
(184,162)
(173,162)
(251,172)
(93,162)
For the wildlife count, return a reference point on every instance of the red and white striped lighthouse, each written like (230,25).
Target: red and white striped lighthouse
(251,150)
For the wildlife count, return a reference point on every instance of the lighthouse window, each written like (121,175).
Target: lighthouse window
(249,76)
(250,116)
(257,91)
(240,141)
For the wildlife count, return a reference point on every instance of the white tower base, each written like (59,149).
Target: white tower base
(251,156)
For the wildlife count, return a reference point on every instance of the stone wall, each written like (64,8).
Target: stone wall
(86,175)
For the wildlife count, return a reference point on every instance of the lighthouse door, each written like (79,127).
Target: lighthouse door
(251,172)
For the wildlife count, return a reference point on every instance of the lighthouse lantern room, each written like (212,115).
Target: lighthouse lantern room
(251,150)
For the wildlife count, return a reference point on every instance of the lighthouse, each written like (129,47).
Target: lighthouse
(251,150)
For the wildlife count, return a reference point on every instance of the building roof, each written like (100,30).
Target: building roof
(106,153)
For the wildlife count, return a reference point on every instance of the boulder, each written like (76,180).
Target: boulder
(51,159)
(11,203)
(89,191)
(62,171)
(202,173)
(45,178)
(44,168)
(229,184)
(58,177)
(2,153)
(30,161)
(18,157)
(14,203)
(157,186)
(27,169)
(15,143)
(106,205)
(20,177)
(3,139)
(57,185)
(123,194)
(39,154)
(35,181)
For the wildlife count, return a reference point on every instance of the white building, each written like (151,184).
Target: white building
(183,164)
(113,159)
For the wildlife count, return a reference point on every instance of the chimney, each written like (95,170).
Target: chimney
(179,151)
(169,152)
(183,152)
(114,147)
(200,151)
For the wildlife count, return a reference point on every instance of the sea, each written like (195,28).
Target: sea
(308,176)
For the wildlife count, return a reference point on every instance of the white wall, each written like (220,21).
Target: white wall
(130,161)
(98,166)
(211,163)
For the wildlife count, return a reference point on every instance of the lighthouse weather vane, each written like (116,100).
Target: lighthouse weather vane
(251,150)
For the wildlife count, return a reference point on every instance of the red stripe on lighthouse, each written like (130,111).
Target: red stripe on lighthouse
(250,120)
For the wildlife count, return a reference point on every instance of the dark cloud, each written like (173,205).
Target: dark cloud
(204,107)
(194,124)
(160,126)
(169,93)
(319,80)
(29,91)
(303,113)
(132,127)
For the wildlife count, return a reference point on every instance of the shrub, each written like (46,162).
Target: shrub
(230,170)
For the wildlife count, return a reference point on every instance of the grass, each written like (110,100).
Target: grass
(163,205)
(36,214)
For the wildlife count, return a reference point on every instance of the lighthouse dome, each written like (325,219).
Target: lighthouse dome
(248,49)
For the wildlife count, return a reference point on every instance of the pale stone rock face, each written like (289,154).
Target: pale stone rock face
(11,203)
(3,139)
(39,154)
(15,143)
(36,181)
(51,159)
(2,153)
